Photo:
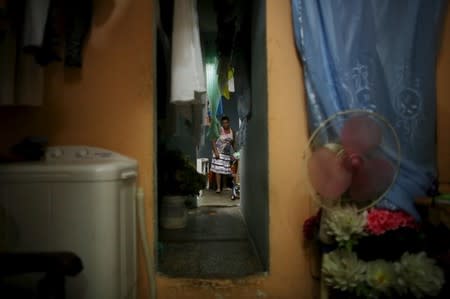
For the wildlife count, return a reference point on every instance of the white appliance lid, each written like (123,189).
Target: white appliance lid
(72,163)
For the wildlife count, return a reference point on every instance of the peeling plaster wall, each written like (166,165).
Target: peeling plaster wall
(255,196)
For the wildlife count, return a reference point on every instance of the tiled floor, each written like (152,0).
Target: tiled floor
(223,199)
(214,244)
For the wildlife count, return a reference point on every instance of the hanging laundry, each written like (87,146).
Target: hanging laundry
(47,50)
(213,93)
(225,76)
(36,14)
(188,75)
(242,94)
(219,110)
(44,23)
(227,16)
(21,78)
(78,19)
(222,74)
(231,80)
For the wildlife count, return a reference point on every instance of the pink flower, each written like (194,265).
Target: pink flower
(380,221)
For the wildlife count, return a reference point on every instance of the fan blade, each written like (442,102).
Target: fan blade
(360,134)
(327,173)
(372,180)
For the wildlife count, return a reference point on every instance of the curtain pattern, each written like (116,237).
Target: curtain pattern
(378,55)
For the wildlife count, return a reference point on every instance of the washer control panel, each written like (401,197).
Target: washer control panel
(70,153)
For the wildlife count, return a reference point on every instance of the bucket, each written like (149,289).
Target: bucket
(173,213)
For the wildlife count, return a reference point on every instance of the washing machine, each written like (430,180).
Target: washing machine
(79,199)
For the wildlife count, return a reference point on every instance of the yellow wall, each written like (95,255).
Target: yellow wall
(110,104)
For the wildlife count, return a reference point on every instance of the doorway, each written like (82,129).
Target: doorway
(226,234)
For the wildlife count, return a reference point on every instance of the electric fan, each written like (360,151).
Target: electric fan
(353,158)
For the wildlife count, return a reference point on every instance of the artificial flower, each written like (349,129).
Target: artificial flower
(380,275)
(346,225)
(419,275)
(380,221)
(343,270)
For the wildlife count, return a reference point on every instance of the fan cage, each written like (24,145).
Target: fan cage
(327,135)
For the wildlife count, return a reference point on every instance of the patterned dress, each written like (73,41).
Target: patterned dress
(224,145)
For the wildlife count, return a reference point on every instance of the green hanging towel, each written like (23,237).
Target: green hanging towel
(213,92)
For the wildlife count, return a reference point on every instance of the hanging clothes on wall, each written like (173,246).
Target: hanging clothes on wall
(226,82)
(188,85)
(187,72)
(31,37)
(78,20)
(242,94)
(381,56)
(219,110)
(36,15)
(241,61)
(213,92)
(21,78)
(47,22)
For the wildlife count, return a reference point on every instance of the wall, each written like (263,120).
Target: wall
(108,103)
(255,205)
(443,106)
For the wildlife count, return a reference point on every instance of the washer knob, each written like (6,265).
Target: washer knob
(82,153)
(56,153)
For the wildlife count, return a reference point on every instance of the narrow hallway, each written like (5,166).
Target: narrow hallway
(214,244)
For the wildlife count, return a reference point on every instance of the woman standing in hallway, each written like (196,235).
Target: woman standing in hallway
(223,149)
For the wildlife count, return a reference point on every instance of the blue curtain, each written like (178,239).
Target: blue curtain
(378,55)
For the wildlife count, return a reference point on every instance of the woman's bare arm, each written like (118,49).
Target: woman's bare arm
(216,152)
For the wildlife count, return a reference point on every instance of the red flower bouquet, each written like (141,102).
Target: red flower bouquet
(311,226)
(380,221)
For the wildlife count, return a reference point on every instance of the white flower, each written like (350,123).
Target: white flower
(343,270)
(345,224)
(380,275)
(418,274)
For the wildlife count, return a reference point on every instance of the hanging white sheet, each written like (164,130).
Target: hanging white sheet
(187,70)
